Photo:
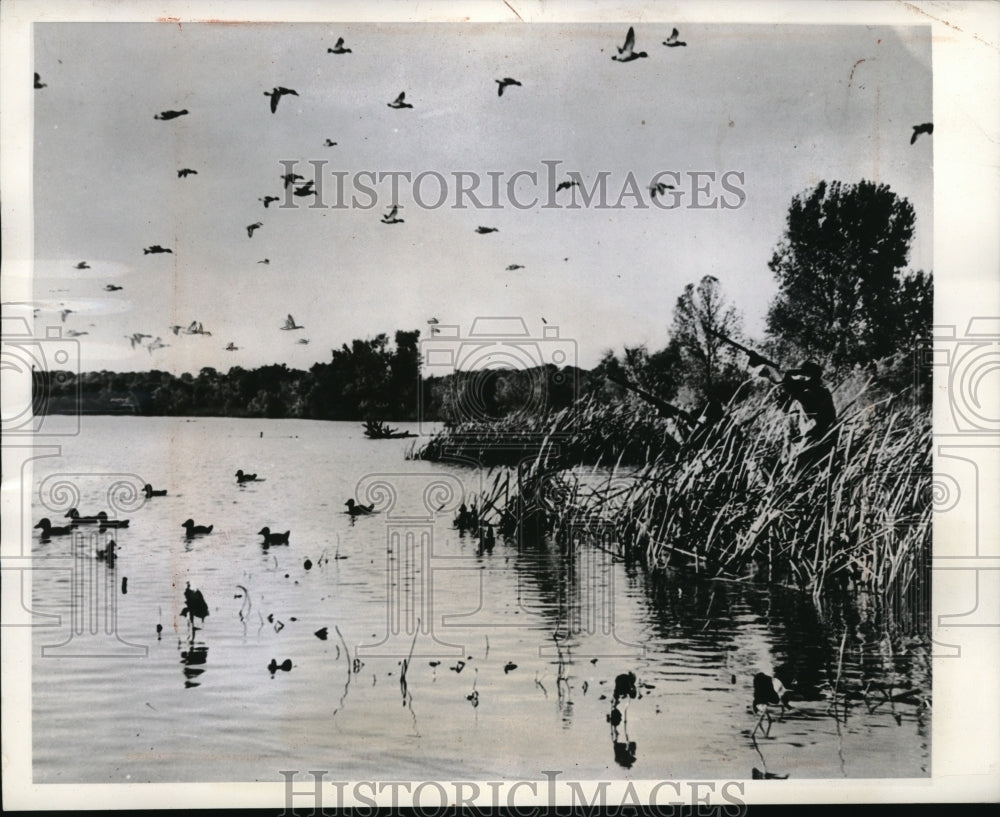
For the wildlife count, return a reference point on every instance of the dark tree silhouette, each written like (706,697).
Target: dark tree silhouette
(843,295)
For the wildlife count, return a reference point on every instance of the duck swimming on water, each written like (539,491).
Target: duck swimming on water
(273,538)
(48,529)
(359,510)
(192,529)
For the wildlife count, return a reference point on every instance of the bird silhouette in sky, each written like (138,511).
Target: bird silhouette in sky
(252,227)
(672,41)
(567,184)
(305,190)
(626,52)
(264,261)
(289,178)
(136,338)
(73,333)
(433,321)
(64,313)
(196,329)
(165,115)
(156,248)
(485,230)
(38,82)
(232,347)
(659,189)
(927,127)
(398,101)
(303,341)
(390,217)
(329,143)
(111,287)
(185,172)
(268,199)
(83,265)
(338,48)
(503,83)
(513,267)
(290,323)
(277,94)
(156,344)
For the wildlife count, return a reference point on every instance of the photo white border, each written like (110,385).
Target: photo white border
(966,98)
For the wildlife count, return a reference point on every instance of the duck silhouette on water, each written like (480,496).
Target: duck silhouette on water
(273,538)
(48,529)
(241,477)
(359,510)
(147,489)
(105,523)
(191,529)
(76,519)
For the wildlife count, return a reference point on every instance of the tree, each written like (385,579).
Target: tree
(706,366)
(843,296)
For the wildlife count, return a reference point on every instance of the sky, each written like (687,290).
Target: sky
(778,108)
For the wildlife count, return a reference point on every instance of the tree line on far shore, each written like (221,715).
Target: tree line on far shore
(845,299)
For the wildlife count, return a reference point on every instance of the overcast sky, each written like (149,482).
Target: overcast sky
(785,107)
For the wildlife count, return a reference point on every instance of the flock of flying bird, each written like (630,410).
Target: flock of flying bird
(302,188)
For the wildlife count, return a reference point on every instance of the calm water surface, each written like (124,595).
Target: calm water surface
(513,666)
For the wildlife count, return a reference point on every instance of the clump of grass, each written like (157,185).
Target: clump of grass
(738,502)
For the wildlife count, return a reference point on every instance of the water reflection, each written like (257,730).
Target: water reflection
(193,660)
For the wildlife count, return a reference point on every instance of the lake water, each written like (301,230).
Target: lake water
(515,659)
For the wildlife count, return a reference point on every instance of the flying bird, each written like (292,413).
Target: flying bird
(156,344)
(289,178)
(503,83)
(672,41)
(398,101)
(268,199)
(329,143)
(38,82)
(196,329)
(82,265)
(165,115)
(303,341)
(433,321)
(156,248)
(390,217)
(305,190)
(566,185)
(485,230)
(290,323)
(659,189)
(185,172)
(136,338)
(513,267)
(277,94)
(264,261)
(338,48)
(927,127)
(232,347)
(176,329)
(73,333)
(255,226)
(64,313)
(625,52)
